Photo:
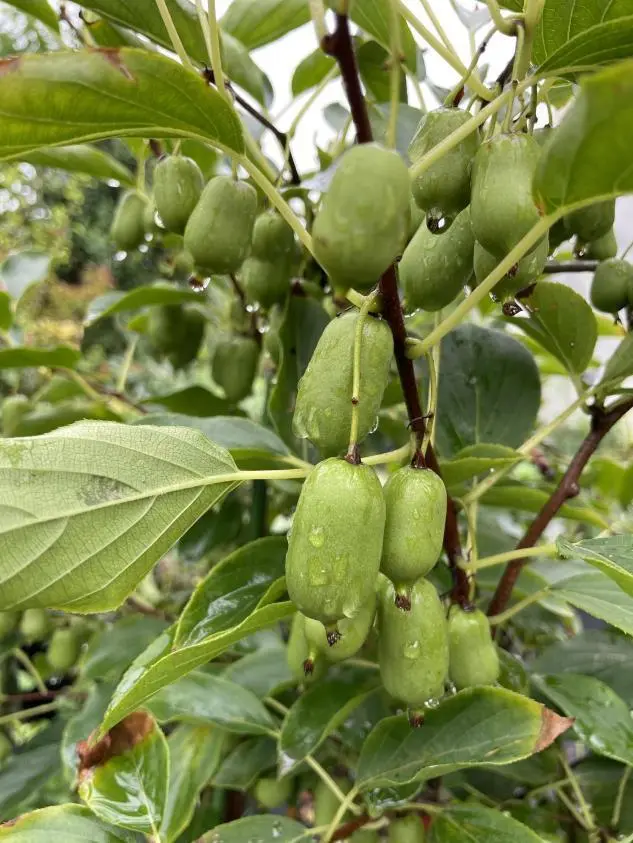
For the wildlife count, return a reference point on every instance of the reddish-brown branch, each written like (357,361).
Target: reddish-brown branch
(601,423)
(339,45)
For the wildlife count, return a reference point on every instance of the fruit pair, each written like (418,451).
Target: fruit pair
(266,273)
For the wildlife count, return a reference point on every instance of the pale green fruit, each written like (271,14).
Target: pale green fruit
(351,634)
(178,184)
(63,650)
(298,652)
(612,285)
(473,655)
(35,625)
(603,248)
(175,331)
(128,224)
(591,222)
(526,271)
(265,282)
(363,222)
(408,829)
(323,409)
(335,543)
(271,793)
(234,366)
(273,239)
(326,804)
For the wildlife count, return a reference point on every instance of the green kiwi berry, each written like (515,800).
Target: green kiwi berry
(234,366)
(35,625)
(128,224)
(408,829)
(178,184)
(473,655)
(63,649)
(591,222)
(271,793)
(612,285)
(351,634)
(524,273)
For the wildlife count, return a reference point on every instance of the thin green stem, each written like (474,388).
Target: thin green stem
(617,807)
(332,786)
(174,37)
(280,708)
(89,391)
(206,32)
(127,362)
(215,50)
(533,9)
(505,25)
(520,35)
(580,796)
(346,805)
(472,551)
(571,808)
(457,316)
(431,404)
(27,713)
(416,87)
(627,250)
(362,663)
(508,556)
(28,665)
(317,13)
(394,73)
(331,74)
(398,455)
(457,88)
(502,617)
(436,23)
(363,313)
(426,807)
(258,159)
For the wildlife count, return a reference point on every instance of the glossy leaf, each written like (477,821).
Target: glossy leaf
(311,71)
(107,502)
(151,294)
(81,725)
(71,97)
(264,828)
(573,169)
(474,460)
(40,9)
(242,767)
(194,753)
(17,357)
(601,781)
(619,366)
(373,67)
(479,397)
(130,789)
(63,823)
(373,16)
(321,709)
(82,159)
(266,21)
(564,22)
(479,824)
(203,698)
(191,401)
(598,595)
(511,495)
(562,322)
(477,726)
(112,650)
(263,672)
(609,42)
(601,718)
(24,773)
(19,271)
(612,555)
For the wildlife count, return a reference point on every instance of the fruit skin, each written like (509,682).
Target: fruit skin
(603,248)
(63,650)
(502,210)
(175,331)
(473,655)
(591,222)
(336,540)
(323,409)
(14,408)
(128,224)
(273,239)
(364,835)
(178,183)
(445,185)
(234,366)
(35,625)
(298,650)
(182,266)
(612,285)
(150,224)
(363,221)
(528,269)
(326,803)
(9,622)
(218,234)
(413,645)
(406,830)
(414,529)
(353,633)
(271,793)
(435,267)
(265,282)
(418,217)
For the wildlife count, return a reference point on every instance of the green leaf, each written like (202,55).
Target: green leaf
(476,727)
(479,399)
(82,159)
(147,296)
(24,773)
(263,672)
(479,824)
(19,271)
(130,789)
(46,417)
(600,780)
(194,753)
(562,322)
(374,17)
(104,94)
(598,595)
(19,358)
(106,34)
(603,44)
(303,323)
(102,504)
(40,9)
(112,650)
(202,699)
(612,555)
(246,763)
(6,313)
(266,21)
(311,71)
(264,829)
(573,170)
(510,495)
(619,366)
(63,823)
(321,709)
(601,718)
(406,125)
(564,21)
(373,66)
(191,401)
(602,653)
(474,460)
(81,725)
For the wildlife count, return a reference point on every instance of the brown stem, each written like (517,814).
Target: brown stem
(552,267)
(345,831)
(601,423)
(339,45)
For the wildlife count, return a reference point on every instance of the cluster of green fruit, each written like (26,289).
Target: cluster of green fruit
(359,553)
(35,626)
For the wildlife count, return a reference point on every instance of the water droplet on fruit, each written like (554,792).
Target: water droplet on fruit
(412,649)
(432,702)
(316,537)
(318,576)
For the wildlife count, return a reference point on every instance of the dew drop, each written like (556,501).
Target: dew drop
(432,702)
(318,576)
(412,649)
(316,537)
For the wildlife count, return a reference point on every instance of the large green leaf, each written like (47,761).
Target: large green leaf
(479,824)
(374,17)
(514,495)
(564,21)
(63,823)
(474,460)
(612,555)
(87,510)
(598,595)
(601,782)
(130,789)
(82,159)
(263,672)
(311,71)
(478,398)
(574,169)
(267,20)
(40,9)
(72,97)
(112,650)
(246,763)
(562,322)
(603,44)
(263,829)
(191,401)
(203,698)
(476,727)
(147,296)
(619,366)
(20,357)
(601,718)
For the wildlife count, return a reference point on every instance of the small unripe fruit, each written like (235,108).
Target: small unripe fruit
(326,803)
(323,409)
(302,665)
(234,366)
(524,273)
(8,623)
(150,223)
(128,223)
(178,184)
(612,285)
(591,222)
(265,282)
(603,248)
(35,625)
(63,650)
(175,331)
(445,185)
(14,408)
(271,793)
(182,266)
(473,655)
(351,634)
(6,747)
(406,830)
(273,239)
(218,234)
(363,222)
(364,835)
(335,542)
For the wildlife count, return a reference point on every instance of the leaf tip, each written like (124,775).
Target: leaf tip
(119,740)
(552,725)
